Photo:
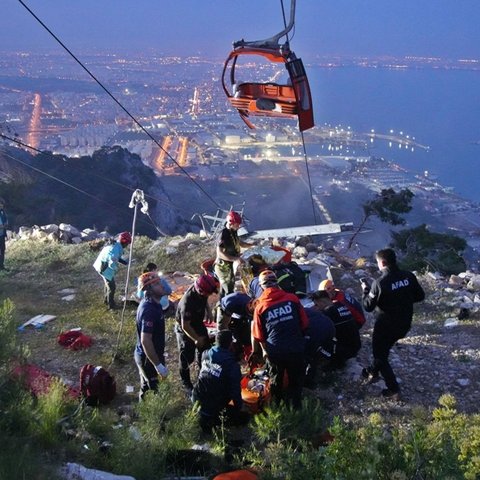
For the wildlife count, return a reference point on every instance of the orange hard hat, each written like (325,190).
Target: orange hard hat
(148,278)
(325,284)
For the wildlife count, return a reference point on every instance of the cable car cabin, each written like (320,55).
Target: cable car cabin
(289,100)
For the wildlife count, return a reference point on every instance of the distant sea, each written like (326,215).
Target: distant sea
(440,108)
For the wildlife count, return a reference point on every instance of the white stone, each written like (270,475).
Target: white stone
(451,322)
(455,280)
(75,471)
(24,232)
(463,382)
(51,228)
(53,237)
(65,227)
(435,275)
(66,291)
(474,283)
(68,298)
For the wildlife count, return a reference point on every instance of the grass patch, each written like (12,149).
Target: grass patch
(154,439)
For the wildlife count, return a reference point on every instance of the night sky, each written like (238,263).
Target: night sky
(444,28)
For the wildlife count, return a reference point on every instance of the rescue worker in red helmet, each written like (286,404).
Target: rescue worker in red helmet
(192,335)
(228,257)
(106,265)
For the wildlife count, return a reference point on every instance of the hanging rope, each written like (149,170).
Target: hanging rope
(144,130)
(137,199)
(309,181)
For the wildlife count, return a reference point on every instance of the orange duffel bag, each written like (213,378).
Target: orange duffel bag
(256,390)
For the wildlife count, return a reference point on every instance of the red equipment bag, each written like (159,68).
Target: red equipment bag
(74,340)
(237,475)
(97,385)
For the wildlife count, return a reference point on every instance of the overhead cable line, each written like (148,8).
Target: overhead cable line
(118,103)
(113,182)
(308,176)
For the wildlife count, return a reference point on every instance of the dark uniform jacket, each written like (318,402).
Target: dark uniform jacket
(319,334)
(218,381)
(192,307)
(150,319)
(279,321)
(346,330)
(392,297)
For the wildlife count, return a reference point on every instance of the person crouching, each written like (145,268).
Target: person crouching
(218,386)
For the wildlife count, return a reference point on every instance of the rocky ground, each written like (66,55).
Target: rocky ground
(440,355)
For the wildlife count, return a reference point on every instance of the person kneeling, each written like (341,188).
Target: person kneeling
(218,388)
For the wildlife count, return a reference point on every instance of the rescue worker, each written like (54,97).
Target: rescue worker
(192,335)
(319,342)
(218,384)
(228,257)
(346,331)
(3,232)
(164,301)
(235,313)
(391,297)
(106,265)
(150,323)
(279,322)
(337,295)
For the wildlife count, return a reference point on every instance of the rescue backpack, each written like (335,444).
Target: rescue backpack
(291,278)
(97,385)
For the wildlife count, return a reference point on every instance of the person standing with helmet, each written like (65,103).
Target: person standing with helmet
(228,257)
(106,265)
(279,323)
(150,346)
(391,297)
(192,335)
(164,301)
(3,233)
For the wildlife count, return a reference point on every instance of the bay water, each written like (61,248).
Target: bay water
(439,107)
